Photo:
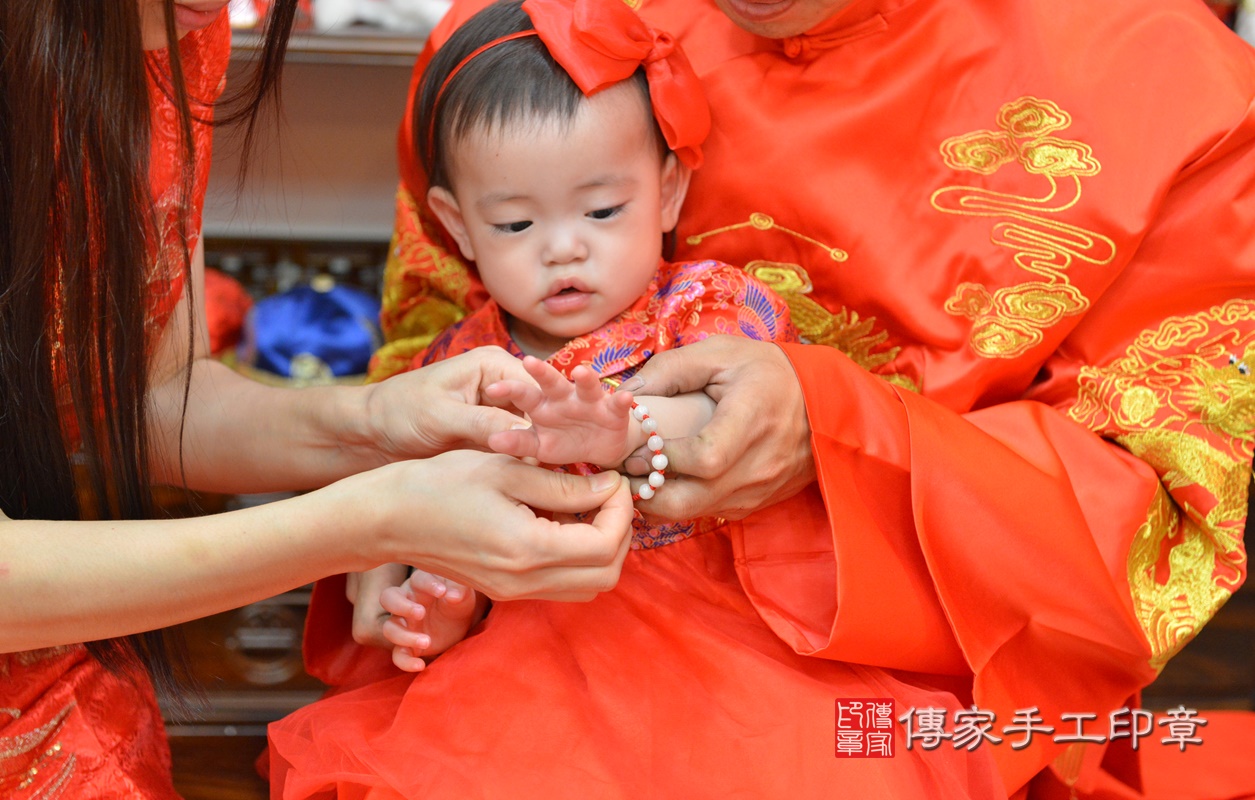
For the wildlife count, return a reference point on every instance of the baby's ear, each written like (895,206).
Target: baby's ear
(445,206)
(675,186)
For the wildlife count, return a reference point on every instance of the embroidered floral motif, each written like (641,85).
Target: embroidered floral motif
(32,760)
(1009,321)
(425,290)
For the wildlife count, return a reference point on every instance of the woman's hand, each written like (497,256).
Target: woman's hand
(442,406)
(469,516)
(755,452)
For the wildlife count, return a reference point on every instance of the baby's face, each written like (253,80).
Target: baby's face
(565,219)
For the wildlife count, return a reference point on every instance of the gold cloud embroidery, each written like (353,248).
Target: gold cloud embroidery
(844,330)
(1009,321)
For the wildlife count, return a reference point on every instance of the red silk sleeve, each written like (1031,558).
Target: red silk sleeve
(981,543)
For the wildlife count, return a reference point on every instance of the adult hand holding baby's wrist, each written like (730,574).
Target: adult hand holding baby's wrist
(469,516)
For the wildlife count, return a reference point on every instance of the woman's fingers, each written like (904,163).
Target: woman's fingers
(482,520)
(517,442)
(563,492)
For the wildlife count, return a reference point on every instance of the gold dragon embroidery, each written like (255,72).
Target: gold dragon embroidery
(1182,399)
(1007,322)
(844,330)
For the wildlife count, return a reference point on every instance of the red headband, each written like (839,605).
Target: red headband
(602,42)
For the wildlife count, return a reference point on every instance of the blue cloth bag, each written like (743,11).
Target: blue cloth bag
(310,333)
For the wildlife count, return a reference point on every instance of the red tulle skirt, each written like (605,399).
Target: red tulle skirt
(669,686)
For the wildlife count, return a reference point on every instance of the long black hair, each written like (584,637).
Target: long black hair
(78,237)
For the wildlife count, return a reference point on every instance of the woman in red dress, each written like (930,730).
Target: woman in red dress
(104,154)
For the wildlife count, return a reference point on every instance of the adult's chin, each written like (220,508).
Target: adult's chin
(779,19)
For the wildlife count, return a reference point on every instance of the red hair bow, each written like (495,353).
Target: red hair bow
(602,42)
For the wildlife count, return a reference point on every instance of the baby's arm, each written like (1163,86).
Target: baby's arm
(578,421)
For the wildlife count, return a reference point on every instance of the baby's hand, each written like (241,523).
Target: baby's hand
(430,614)
(571,420)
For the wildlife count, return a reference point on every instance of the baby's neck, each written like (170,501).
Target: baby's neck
(526,340)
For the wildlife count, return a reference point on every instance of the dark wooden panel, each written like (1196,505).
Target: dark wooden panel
(1217,669)
(248,662)
(210,765)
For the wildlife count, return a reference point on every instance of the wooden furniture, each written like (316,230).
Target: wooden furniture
(249,663)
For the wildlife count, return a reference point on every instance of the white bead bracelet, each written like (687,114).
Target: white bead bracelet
(658,461)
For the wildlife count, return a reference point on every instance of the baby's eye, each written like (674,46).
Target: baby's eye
(512,227)
(605,213)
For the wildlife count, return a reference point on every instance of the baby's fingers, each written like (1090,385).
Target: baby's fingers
(400,603)
(552,383)
(455,592)
(406,661)
(399,634)
(422,582)
(587,385)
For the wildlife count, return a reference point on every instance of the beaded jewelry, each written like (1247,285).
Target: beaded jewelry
(658,461)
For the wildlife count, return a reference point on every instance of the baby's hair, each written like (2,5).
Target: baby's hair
(511,82)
